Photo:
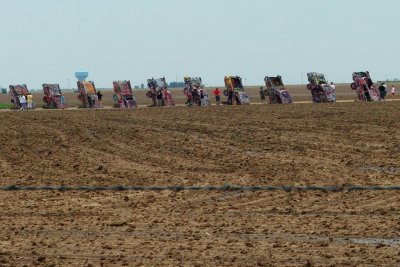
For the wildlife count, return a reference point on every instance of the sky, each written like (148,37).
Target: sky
(46,41)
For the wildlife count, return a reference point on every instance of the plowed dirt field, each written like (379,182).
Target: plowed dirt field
(302,144)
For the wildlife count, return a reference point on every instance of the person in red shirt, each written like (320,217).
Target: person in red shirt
(217,94)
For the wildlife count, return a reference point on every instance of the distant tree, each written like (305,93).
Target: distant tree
(177,84)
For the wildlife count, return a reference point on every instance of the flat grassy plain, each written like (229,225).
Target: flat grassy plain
(299,93)
(302,144)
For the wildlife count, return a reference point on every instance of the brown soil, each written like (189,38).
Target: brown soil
(338,144)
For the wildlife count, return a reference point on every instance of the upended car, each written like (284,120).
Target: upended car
(364,87)
(321,90)
(15,92)
(235,91)
(276,91)
(88,95)
(52,96)
(195,92)
(123,95)
(159,93)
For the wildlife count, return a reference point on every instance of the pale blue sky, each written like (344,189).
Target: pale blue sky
(47,40)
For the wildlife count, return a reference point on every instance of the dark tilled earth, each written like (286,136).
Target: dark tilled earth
(302,144)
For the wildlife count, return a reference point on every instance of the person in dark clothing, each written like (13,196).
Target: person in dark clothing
(230,97)
(99,98)
(196,97)
(262,95)
(201,97)
(160,100)
(89,100)
(382,92)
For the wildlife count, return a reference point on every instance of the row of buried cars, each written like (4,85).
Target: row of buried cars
(53,97)
(158,92)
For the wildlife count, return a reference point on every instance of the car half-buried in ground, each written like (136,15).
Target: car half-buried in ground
(195,92)
(321,91)
(276,91)
(365,87)
(123,95)
(15,92)
(88,95)
(159,93)
(235,91)
(52,96)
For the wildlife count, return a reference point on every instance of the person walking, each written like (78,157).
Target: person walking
(30,101)
(262,94)
(217,94)
(393,91)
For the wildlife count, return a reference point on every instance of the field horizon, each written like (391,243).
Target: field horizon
(299,93)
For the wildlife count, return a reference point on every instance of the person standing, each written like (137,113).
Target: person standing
(382,92)
(62,101)
(204,98)
(230,96)
(30,101)
(393,91)
(89,101)
(262,94)
(217,94)
(189,99)
(333,86)
(99,98)
(22,101)
(160,100)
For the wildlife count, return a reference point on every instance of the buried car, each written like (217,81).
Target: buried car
(52,96)
(276,91)
(88,95)
(320,89)
(159,93)
(16,91)
(123,95)
(235,91)
(364,87)
(195,92)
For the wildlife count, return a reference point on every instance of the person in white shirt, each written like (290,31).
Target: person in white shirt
(22,101)
(333,86)
(393,91)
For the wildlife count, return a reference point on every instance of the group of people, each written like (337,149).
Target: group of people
(94,101)
(383,91)
(160,97)
(26,102)
(197,96)
(231,94)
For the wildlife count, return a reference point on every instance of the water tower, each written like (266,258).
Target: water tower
(81,75)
